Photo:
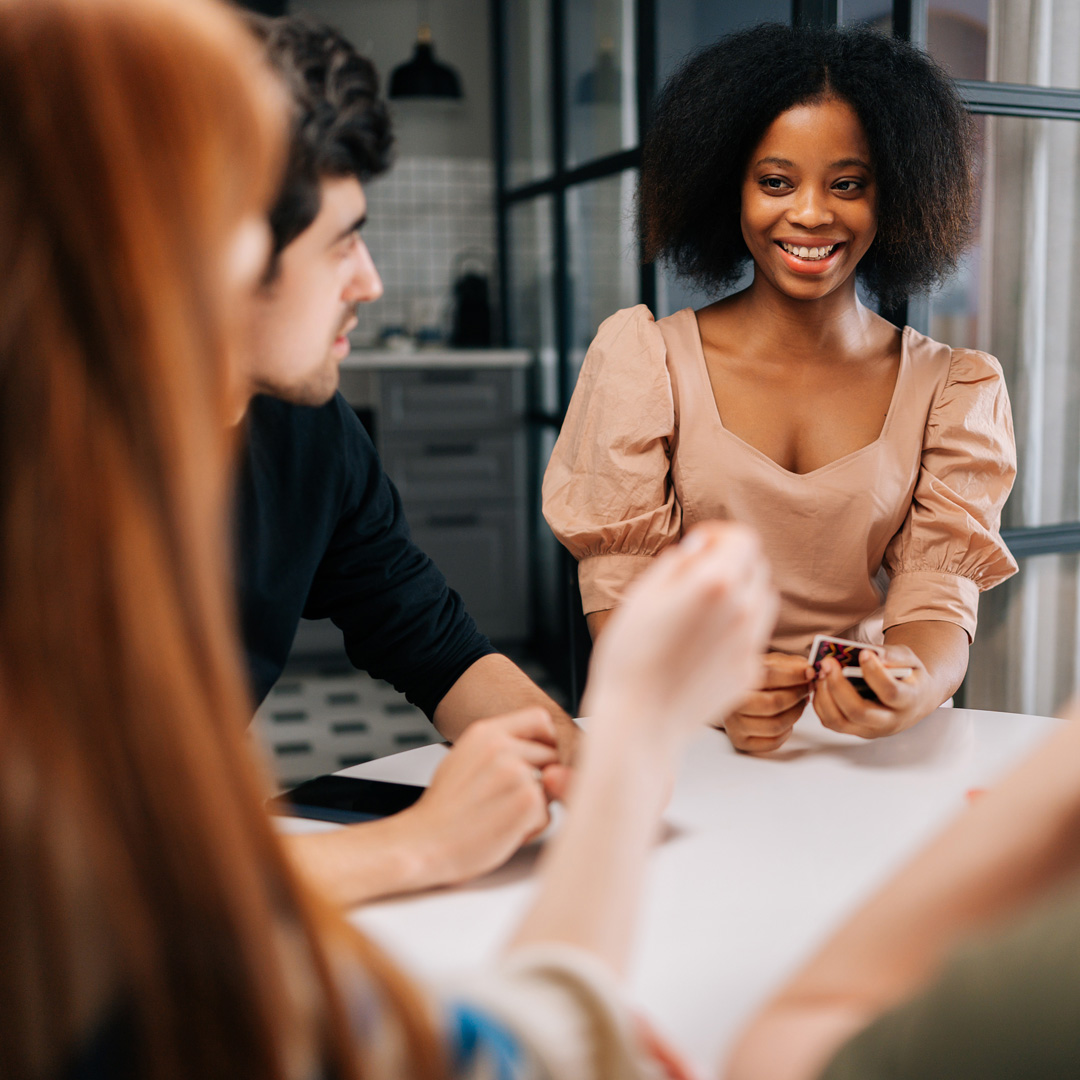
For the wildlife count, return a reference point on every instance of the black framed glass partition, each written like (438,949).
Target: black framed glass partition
(574,82)
(568,147)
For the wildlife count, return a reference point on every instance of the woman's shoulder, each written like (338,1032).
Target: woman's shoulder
(625,370)
(629,338)
(628,326)
(954,363)
(950,381)
(639,323)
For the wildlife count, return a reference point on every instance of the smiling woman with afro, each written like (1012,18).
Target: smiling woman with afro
(873,462)
(714,110)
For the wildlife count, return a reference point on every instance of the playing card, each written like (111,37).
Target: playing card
(846,654)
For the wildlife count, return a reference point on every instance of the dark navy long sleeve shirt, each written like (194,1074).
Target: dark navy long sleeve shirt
(321,534)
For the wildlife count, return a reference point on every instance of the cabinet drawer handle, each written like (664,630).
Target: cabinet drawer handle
(451,450)
(444,521)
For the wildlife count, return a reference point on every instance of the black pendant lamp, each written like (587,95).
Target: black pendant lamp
(423,76)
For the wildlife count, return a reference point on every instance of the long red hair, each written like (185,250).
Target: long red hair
(139,875)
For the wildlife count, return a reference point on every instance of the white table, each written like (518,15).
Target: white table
(760,858)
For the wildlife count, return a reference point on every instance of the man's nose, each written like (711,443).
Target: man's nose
(364,284)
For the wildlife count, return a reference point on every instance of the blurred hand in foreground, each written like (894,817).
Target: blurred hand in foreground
(686,645)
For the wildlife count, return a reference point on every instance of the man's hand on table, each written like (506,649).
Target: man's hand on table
(764,720)
(488,796)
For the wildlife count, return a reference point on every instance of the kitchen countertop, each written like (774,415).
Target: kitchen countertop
(382,359)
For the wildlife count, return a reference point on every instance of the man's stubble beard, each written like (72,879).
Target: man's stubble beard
(314,390)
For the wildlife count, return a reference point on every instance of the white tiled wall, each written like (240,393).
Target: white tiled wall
(422,216)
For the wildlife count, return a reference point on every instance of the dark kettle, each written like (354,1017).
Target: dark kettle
(472,311)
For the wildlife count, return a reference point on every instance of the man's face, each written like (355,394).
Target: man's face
(301,319)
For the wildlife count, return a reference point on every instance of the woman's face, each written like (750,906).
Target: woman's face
(809,204)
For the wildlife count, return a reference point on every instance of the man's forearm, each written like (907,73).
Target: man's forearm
(493,686)
(364,862)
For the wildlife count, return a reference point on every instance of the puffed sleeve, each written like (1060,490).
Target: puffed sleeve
(949,548)
(607,490)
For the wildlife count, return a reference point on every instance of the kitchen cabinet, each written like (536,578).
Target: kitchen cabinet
(450,428)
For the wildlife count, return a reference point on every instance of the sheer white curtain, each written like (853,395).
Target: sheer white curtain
(1027,655)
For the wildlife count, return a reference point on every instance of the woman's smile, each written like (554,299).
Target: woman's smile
(810,256)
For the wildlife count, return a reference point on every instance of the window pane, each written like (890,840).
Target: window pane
(683,26)
(686,25)
(1016,296)
(875,13)
(531,300)
(1026,656)
(604,274)
(601,81)
(1018,41)
(528,90)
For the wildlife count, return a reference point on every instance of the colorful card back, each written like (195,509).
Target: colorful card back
(846,654)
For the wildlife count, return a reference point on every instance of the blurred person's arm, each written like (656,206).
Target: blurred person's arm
(690,634)
(686,642)
(1006,852)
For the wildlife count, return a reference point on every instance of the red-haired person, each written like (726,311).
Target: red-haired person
(151,923)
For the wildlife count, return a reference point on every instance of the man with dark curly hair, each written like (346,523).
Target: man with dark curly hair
(321,528)
(874,462)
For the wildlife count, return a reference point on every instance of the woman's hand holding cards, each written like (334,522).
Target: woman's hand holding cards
(901,702)
(764,720)
(937,654)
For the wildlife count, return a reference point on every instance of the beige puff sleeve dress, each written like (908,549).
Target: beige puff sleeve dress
(903,530)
